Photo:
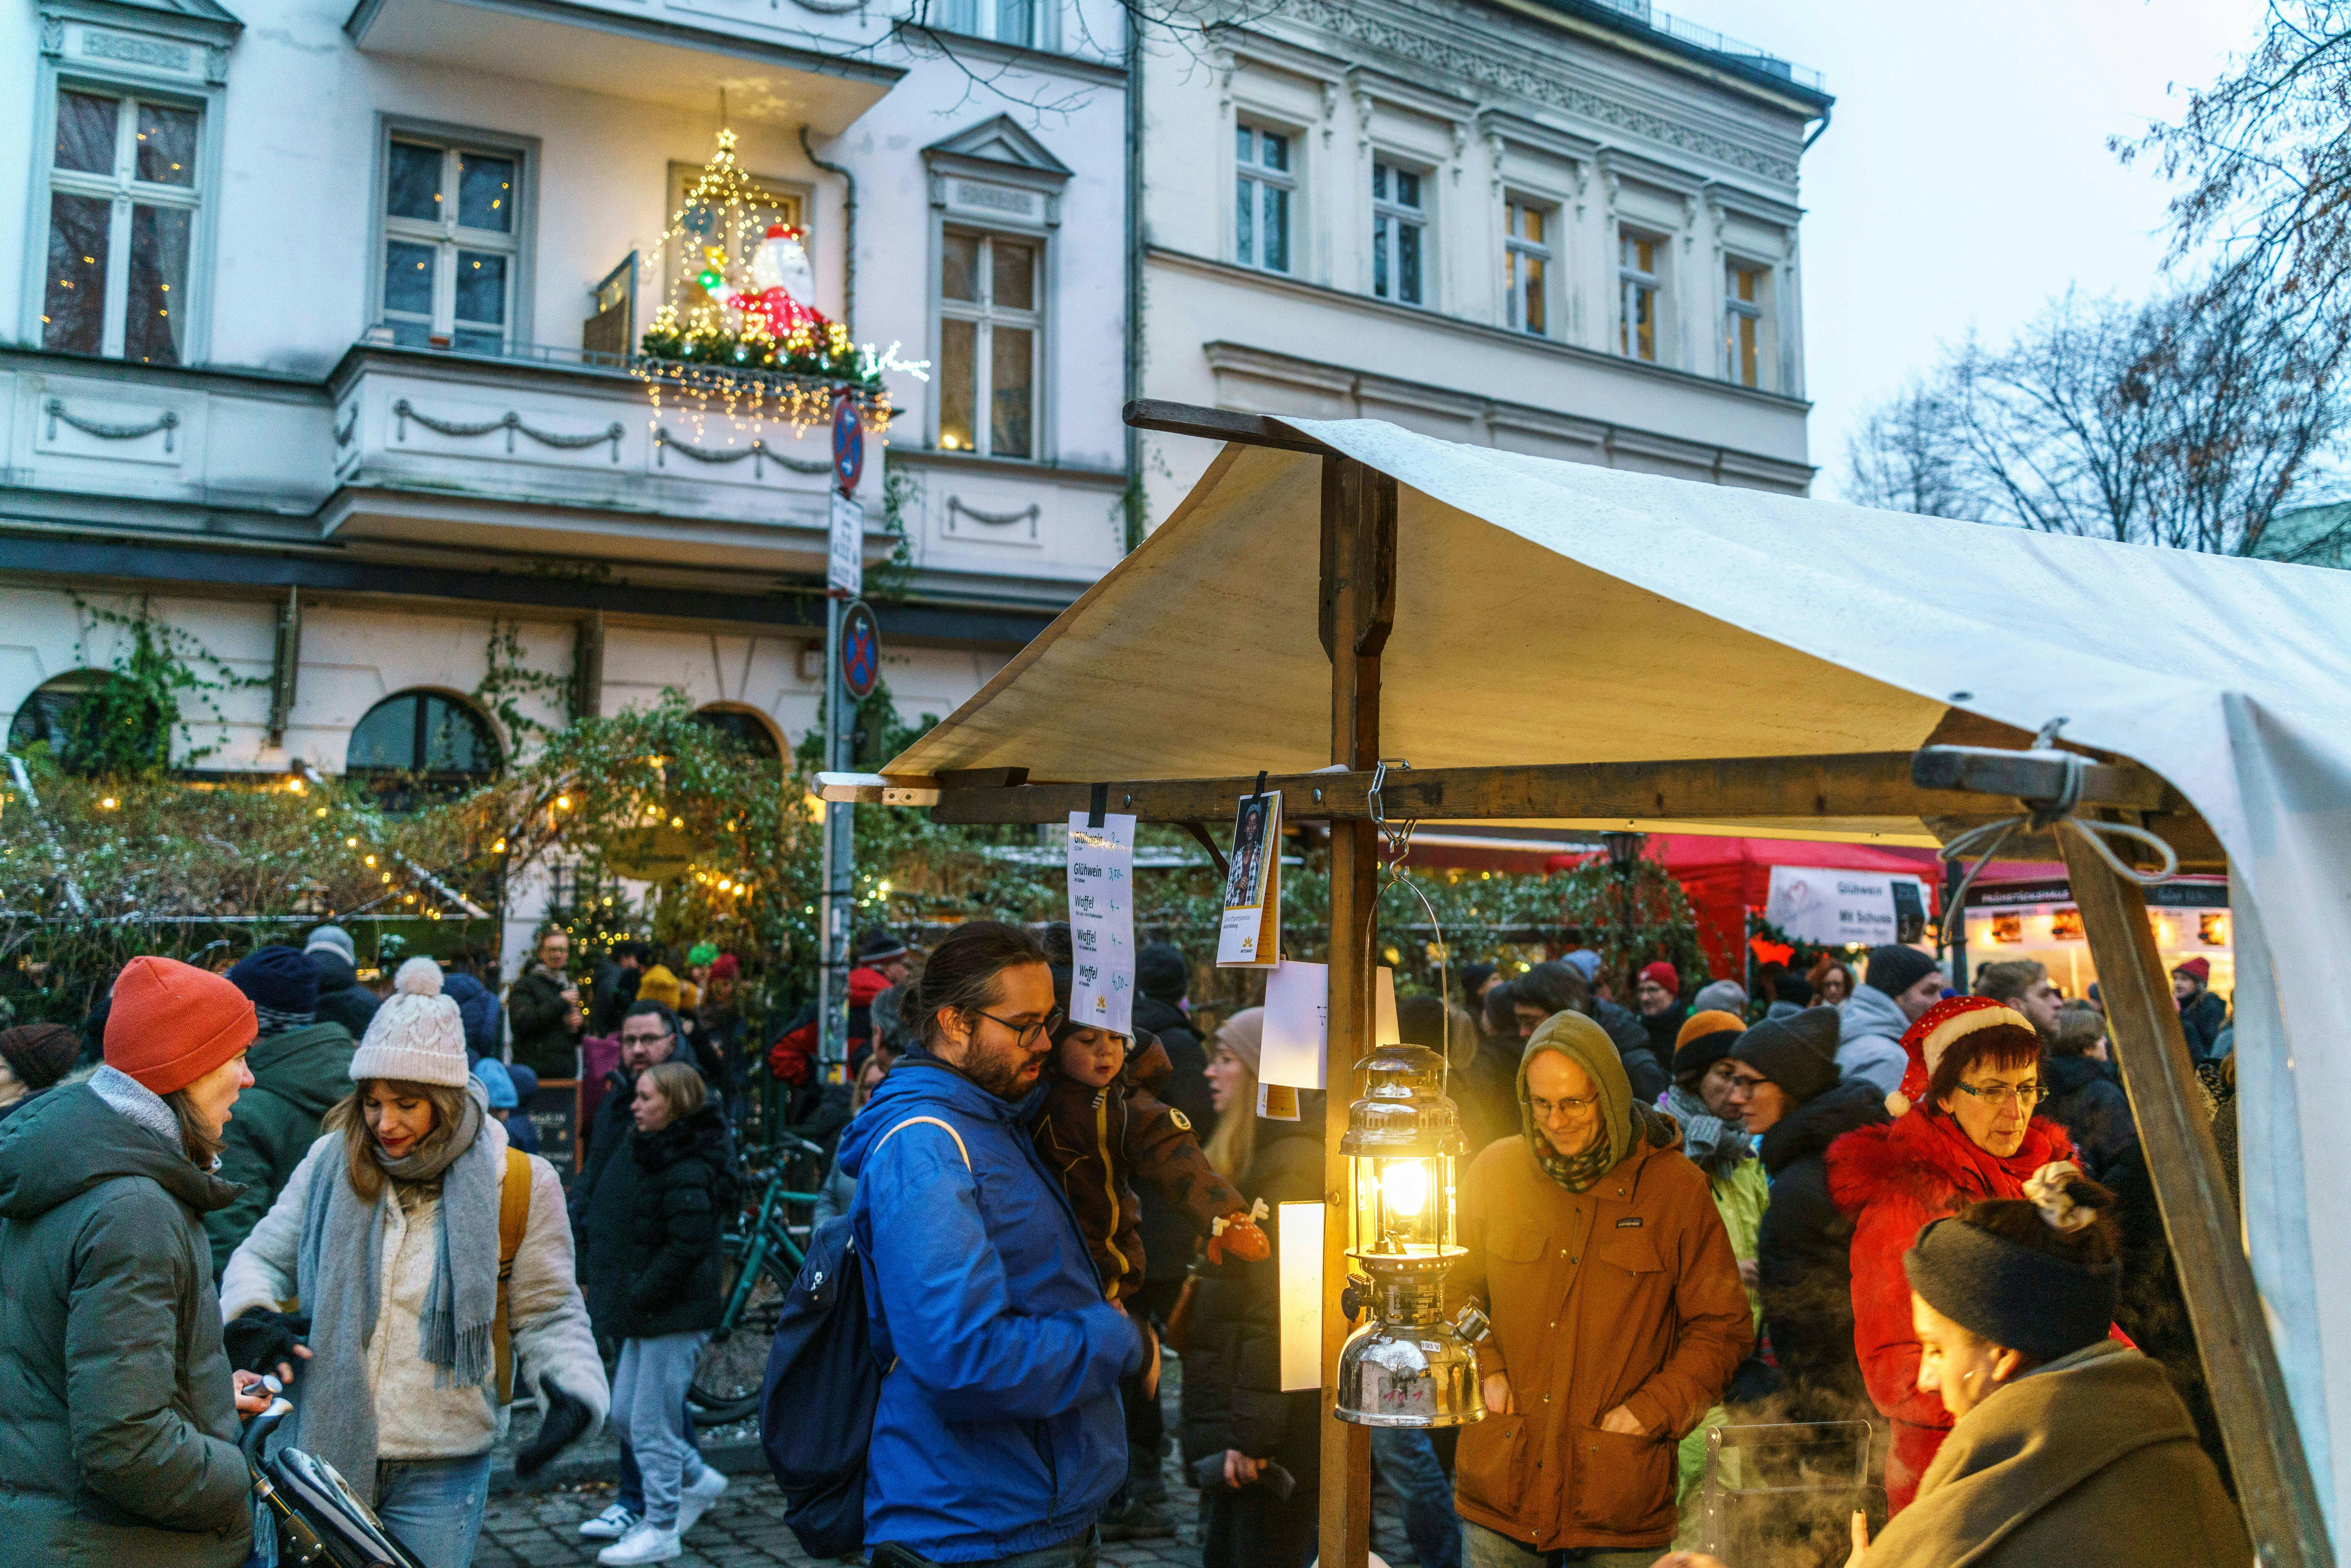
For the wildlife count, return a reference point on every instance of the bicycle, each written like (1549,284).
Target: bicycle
(759,1260)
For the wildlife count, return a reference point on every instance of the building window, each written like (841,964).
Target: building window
(452,244)
(1399,234)
(1745,292)
(1005,21)
(122,216)
(420,745)
(1636,275)
(989,327)
(1526,247)
(736,231)
(1261,198)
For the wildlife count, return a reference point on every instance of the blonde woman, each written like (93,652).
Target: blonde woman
(388,1238)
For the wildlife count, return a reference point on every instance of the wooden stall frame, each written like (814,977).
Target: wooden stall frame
(1948,788)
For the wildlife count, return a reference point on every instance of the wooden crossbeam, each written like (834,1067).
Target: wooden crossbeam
(1218,424)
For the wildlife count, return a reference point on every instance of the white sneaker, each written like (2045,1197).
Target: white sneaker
(610,1525)
(695,1500)
(643,1544)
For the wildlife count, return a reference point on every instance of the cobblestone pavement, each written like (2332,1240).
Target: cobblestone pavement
(746,1530)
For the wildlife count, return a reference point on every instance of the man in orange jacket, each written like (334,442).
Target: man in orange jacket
(1618,1315)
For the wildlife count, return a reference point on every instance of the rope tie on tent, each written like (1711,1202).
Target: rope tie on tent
(1398,837)
(2041,816)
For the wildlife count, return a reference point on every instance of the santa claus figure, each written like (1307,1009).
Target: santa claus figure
(783,284)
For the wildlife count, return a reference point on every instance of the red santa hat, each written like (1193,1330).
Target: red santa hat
(1939,1028)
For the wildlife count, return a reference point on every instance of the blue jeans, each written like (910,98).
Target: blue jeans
(648,1403)
(1489,1548)
(1407,1460)
(434,1506)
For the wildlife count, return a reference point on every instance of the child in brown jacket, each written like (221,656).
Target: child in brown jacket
(1102,1129)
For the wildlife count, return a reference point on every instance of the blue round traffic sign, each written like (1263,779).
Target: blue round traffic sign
(860,651)
(848,443)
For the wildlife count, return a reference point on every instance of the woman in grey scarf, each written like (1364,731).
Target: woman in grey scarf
(388,1238)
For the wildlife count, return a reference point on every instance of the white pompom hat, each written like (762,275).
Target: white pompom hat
(416,1035)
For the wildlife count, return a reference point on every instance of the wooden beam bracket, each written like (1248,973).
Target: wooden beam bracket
(1218,424)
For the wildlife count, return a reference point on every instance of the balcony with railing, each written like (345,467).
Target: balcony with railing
(1726,49)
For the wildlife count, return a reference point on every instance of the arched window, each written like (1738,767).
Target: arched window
(140,726)
(423,743)
(747,729)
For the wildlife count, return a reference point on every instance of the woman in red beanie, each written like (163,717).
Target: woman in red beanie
(119,1398)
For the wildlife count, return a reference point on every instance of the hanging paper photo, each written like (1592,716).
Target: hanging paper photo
(1297,1022)
(1101,924)
(1250,935)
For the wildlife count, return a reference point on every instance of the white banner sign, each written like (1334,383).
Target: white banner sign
(1813,904)
(1102,922)
(845,571)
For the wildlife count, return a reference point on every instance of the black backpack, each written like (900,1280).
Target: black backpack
(816,1405)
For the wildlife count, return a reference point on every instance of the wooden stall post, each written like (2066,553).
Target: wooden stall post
(2240,1365)
(1358,606)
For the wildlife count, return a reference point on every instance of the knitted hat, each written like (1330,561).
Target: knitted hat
(2196,969)
(277,978)
(725,967)
(658,985)
(39,1053)
(2014,1295)
(880,947)
(1586,962)
(1721,996)
(499,1081)
(1243,1034)
(170,1023)
(700,953)
(1797,1052)
(1160,972)
(1938,1028)
(1663,973)
(1705,1039)
(416,1037)
(1895,969)
(332,939)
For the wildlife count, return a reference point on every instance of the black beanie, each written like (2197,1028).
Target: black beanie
(1161,973)
(1798,1053)
(279,978)
(2010,1294)
(1895,969)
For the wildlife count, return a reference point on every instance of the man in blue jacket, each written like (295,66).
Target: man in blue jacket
(1000,1434)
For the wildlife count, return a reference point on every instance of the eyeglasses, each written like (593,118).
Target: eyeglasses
(1543,1108)
(2003,1095)
(644,1038)
(1025,1035)
(1742,1084)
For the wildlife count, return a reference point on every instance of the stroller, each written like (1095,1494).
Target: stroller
(320,1521)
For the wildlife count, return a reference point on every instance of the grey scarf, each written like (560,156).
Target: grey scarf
(338,1275)
(1714,1145)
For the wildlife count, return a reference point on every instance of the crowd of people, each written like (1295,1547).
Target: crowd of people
(1859,1197)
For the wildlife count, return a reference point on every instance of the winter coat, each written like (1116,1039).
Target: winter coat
(535,1012)
(604,1202)
(1233,1396)
(610,991)
(341,999)
(1169,1237)
(297,1077)
(1890,1180)
(119,1444)
(1100,1142)
(999,1428)
(1804,1250)
(833,1196)
(1486,1093)
(685,1189)
(1656,1320)
(477,1012)
(1870,1026)
(1662,1028)
(2091,1106)
(417,1415)
(1642,1067)
(864,985)
(2089,1461)
(2202,1020)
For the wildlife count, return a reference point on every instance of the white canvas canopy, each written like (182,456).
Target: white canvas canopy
(1552,612)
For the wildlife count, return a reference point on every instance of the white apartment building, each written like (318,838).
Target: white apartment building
(1565,227)
(314,317)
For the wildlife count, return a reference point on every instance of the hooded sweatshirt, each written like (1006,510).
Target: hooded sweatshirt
(999,1429)
(1870,1029)
(120,1445)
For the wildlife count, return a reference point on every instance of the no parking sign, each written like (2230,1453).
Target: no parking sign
(860,651)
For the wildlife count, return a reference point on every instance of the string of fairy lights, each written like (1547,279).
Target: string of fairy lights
(738,337)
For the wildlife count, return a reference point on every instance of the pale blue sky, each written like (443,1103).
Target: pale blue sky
(1965,178)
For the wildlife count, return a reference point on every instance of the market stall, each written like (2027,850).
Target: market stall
(1635,673)
(2030,912)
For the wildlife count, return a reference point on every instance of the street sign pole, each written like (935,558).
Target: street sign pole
(837,908)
